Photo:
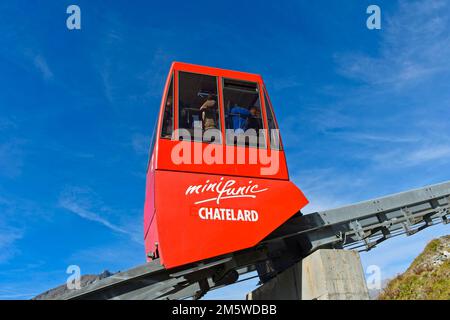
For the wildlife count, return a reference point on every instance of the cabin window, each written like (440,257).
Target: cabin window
(274,133)
(152,145)
(243,119)
(167,124)
(198,108)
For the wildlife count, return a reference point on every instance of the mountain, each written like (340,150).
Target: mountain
(427,278)
(85,280)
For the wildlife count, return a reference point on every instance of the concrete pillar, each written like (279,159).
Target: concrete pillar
(324,275)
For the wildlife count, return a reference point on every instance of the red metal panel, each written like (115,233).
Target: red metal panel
(200,216)
(149,205)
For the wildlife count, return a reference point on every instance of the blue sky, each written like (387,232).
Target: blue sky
(363,113)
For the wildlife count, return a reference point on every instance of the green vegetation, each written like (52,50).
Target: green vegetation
(427,278)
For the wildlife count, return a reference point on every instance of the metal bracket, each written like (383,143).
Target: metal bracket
(409,221)
(361,235)
(442,213)
(204,288)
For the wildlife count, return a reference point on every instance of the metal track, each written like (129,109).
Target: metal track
(360,226)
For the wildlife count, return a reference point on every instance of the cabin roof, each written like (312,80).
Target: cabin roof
(188,67)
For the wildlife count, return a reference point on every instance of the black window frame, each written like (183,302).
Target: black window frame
(258,92)
(171,83)
(218,106)
(268,106)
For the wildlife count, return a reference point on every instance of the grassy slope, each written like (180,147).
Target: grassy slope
(428,277)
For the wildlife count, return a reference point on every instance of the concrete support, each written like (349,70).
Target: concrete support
(324,275)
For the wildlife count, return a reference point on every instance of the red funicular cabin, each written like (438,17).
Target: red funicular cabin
(217,179)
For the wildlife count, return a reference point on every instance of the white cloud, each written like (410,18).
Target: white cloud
(113,257)
(89,215)
(430,153)
(415,45)
(414,156)
(140,143)
(80,202)
(375,137)
(6,294)
(326,119)
(118,71)
(41,65)
(11,158)
(326,188)
(108,86)
(6,123)
(284,82)
(29,281)
(8,236)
